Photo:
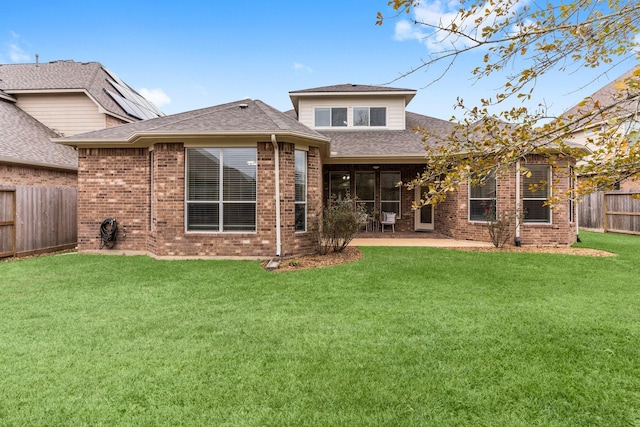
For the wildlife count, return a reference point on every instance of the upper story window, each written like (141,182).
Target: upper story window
(330,117)
(370,116)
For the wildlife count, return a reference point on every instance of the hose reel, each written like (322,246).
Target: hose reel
(108,233)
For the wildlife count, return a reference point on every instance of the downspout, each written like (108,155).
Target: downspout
(576,209)
(518,209)
(276,153)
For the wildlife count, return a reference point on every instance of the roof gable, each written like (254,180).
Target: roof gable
(103,86)
(24,140)
(240,118)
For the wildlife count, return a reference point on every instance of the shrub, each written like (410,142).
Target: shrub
(340,221)
(501,226)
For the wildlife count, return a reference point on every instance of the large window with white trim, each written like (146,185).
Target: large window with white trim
(390,192)
(301,190)
(483,200)
(369,116)
(221,189)
(333,117)
(536,190)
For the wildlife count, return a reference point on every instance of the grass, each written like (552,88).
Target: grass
(403,337)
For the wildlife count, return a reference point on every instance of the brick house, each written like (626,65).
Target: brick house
(38,178)
(246,180)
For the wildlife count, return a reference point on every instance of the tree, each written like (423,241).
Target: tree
(537,38)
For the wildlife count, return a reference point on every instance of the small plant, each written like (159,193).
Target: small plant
(294,262)
(340,221)
(501,226)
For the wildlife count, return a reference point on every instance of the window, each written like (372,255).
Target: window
(301,190)
(366,190)
(339,184)
(536,190)
(221,198)
(572,193)
(370,116)
(331,117)
(389,192)
(482,200)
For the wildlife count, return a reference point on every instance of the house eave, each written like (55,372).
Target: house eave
(379,159)
(39,165)
(147,139)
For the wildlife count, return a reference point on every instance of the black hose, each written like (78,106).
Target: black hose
(108,233)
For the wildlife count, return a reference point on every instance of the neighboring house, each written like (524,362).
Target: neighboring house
(622,119)
(244,179)
(38,178)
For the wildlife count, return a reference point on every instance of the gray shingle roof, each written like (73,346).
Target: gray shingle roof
(240,117)
(25,140)
(349,87)
(386,143)
(607,95)
(69,76)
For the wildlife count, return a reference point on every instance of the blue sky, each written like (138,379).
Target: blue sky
(194,54)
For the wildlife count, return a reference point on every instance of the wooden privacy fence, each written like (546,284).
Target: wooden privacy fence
(44,219)
(611,211)
(7,223)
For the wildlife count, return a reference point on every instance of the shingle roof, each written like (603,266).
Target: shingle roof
(25,140)
(349,87)
(240,117)
(605,96)
(387,143)
(72,76)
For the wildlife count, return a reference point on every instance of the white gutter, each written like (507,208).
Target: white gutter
(518,209)
(276,153)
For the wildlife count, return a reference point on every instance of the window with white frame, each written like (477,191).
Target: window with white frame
(536,190)
(369,116)
(366,190)
(339,184)
(390,192)
(572,193)
(331,117)
(221,189)
(483,200)
(301,190)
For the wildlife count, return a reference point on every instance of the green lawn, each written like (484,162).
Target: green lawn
(403,337)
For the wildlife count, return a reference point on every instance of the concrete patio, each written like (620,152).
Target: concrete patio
(413,239)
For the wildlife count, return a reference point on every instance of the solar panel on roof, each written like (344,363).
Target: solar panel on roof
(137,105)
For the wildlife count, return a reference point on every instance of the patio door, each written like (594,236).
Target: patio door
(424,215)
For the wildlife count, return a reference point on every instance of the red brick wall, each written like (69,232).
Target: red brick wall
(558,232)
(26,175)
(113,183)
(116,183)
(451,216)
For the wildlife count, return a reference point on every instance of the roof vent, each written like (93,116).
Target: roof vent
(243,106)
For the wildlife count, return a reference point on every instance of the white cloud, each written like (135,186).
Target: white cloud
(157,96)
(14,51)
(301,67)
(16,54)
(443,14)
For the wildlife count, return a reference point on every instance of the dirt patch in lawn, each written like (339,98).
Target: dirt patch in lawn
(352,253)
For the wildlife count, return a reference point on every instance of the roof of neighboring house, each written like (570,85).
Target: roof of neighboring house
(106,89)
(605,96)
(24,140)
(349,89)
(250,118)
